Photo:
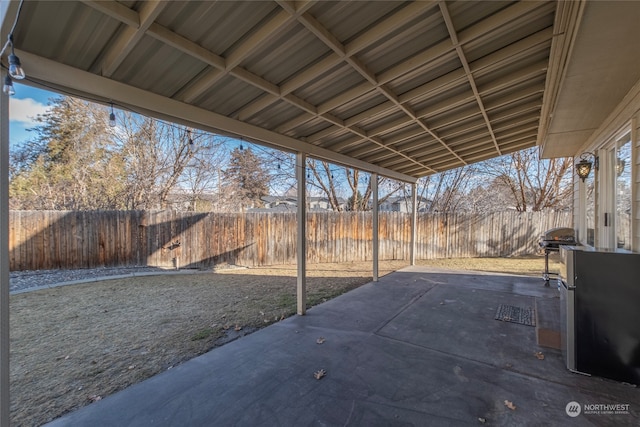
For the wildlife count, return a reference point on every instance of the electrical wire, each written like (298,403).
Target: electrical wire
(121,107)
(195,134)
(13,27)
(273,152)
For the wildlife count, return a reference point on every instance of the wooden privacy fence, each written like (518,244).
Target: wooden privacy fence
(40,240)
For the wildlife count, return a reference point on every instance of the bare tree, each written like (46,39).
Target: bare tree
(165,163)
(202,176)
(335,183)
(445,191)
(533,184)
(325,181)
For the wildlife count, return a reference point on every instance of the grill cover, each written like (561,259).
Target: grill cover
(558,236)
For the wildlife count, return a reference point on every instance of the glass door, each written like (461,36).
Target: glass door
(622,169)
(590,210)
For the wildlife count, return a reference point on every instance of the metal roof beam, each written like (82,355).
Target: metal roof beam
(129,37)
(465,64)
(251,44)
(315,27)
(117,11)
(71,80)
(503,21)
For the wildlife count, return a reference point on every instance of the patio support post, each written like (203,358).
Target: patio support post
(374,231)
(301,177)
(414,217)
(4,260)
(635,200)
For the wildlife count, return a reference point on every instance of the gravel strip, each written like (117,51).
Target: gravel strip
(20,281)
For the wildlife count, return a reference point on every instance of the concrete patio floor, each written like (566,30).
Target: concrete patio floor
(420,347)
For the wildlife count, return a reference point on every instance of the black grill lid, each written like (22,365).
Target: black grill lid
(558,236)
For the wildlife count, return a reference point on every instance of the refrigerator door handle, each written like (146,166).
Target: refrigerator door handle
(566,286)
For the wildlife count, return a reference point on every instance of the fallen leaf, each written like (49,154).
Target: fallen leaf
(282,317)
(237,328)
(319,374)
(95,398)
(510,405)
(320,340)
(225,327)
(539,355)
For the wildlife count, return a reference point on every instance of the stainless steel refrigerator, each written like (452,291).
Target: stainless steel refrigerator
(600,312)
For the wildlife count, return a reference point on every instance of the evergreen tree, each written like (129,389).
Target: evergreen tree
(72,163)
(246,180)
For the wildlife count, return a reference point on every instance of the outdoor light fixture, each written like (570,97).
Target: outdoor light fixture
(190,144)
(15,67)
(112,117)
(8,86)
(583,167)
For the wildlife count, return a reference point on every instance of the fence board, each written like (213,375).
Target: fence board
(40,240)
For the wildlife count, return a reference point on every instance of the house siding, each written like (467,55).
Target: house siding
(626,114)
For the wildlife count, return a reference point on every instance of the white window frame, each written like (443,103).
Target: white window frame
(606,195)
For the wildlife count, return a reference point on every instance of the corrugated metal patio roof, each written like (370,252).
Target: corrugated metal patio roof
(405,89)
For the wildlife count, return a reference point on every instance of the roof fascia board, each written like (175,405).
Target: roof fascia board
(568,18)
(618,118)
(80,83)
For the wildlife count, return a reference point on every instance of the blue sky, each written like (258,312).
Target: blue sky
(24,106)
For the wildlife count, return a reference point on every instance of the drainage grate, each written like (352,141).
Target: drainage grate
(511,313)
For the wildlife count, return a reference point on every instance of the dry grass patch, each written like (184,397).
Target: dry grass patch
(532,265)
(75,344)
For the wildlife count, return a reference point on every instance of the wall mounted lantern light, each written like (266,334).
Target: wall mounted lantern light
(583,167)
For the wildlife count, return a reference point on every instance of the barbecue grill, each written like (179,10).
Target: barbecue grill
(551,241)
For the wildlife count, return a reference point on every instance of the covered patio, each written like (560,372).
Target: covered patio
(419,347)
(396,89)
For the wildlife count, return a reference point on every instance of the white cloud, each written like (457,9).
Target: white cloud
(25,110)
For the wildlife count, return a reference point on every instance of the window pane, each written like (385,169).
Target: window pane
(590,206)
(623,195)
